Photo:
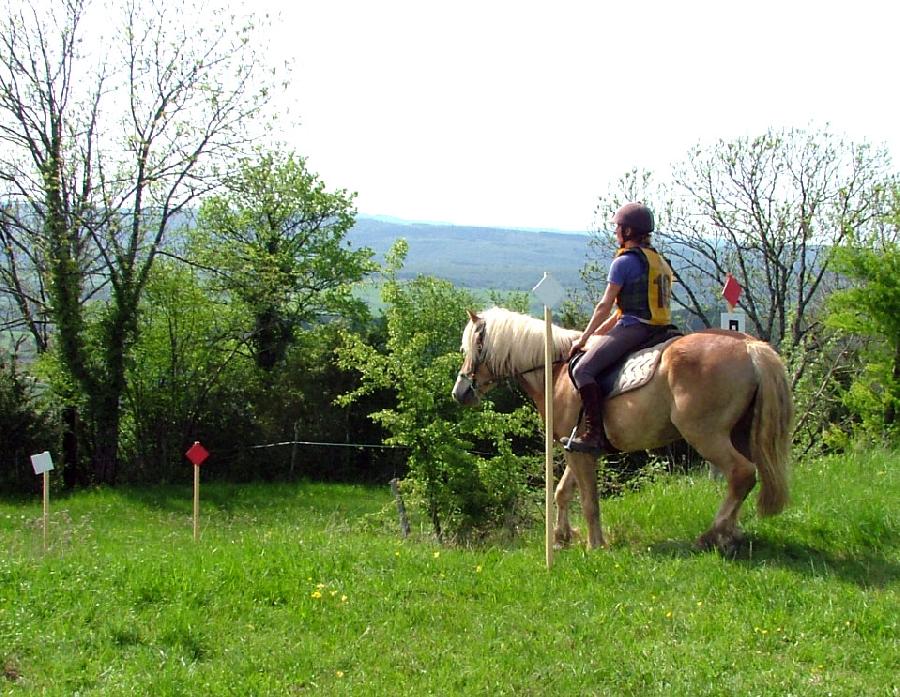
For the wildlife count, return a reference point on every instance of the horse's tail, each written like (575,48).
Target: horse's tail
(771,433)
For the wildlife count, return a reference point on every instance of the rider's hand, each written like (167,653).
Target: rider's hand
(577,346)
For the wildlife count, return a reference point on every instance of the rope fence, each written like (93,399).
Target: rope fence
(333,445)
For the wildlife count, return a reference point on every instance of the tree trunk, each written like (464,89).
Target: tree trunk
(890,412)
(271,338)
(105,401)
(73,472)
(105,457)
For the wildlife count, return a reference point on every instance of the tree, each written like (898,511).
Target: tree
(277,241)
(185,355)
(871,308)
(100,156)
(767,209)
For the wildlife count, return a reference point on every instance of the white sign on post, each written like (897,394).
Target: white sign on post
(549,292)
(733,321)
(42,462)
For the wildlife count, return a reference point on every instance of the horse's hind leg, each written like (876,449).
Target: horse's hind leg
(563,532)
(740,475)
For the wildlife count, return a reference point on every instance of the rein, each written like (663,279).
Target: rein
(470,377)
(537,367)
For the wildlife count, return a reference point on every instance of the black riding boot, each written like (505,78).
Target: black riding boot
(594,440)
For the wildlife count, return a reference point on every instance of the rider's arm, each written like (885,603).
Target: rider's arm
(608,324)
(602,318)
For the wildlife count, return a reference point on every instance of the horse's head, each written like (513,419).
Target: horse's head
(474,379)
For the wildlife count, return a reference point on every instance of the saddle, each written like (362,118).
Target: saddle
(635,369)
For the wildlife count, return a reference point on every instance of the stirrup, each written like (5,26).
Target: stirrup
(574,445)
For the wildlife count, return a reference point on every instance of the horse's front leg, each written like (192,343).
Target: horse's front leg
(584,468)
(563,532)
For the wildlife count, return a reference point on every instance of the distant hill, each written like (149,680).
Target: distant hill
(477,257)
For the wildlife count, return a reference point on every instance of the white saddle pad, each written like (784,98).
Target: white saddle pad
(638,369)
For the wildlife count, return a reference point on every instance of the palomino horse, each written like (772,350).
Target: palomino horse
(725,393)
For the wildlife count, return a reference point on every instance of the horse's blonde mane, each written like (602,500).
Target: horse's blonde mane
(514,342)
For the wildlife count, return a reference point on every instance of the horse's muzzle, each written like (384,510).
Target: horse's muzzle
(464,391)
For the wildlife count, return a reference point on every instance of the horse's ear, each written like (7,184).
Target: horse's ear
(473,316)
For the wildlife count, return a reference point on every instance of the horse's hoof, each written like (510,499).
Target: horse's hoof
(727,544)
(562,539)
(705,542)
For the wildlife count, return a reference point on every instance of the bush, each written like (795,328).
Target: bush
(27,427)
(462,492)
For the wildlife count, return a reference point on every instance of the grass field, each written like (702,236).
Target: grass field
(306,589)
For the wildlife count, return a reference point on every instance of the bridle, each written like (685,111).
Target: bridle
(478,358)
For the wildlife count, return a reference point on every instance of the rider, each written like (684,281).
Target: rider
(640,283)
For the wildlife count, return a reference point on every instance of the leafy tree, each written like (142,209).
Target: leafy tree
(186,359)
(277,240)
(767,209)
(871,308)
(191,375)
(101,152)
(461,492)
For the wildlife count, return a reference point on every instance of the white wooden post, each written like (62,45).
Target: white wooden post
(42,464)
(548,437)
(549,292)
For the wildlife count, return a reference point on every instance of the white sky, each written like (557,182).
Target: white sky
(521,113)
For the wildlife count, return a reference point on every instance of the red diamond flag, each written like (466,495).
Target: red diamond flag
(197,453)
(731,291)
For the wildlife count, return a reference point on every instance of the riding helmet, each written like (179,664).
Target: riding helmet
(636,216)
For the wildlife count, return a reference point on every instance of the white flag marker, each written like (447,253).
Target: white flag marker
(42,462)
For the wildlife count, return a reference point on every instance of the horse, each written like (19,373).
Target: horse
(726,393)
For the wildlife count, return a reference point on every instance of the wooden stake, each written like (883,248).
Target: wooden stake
(548,435)
(401,509)
(196,503)
(46,506)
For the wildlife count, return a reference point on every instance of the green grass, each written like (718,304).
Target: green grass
(305,589)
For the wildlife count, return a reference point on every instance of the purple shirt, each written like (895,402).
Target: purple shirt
(623,269)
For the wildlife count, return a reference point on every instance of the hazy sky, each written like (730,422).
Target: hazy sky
(505,113)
